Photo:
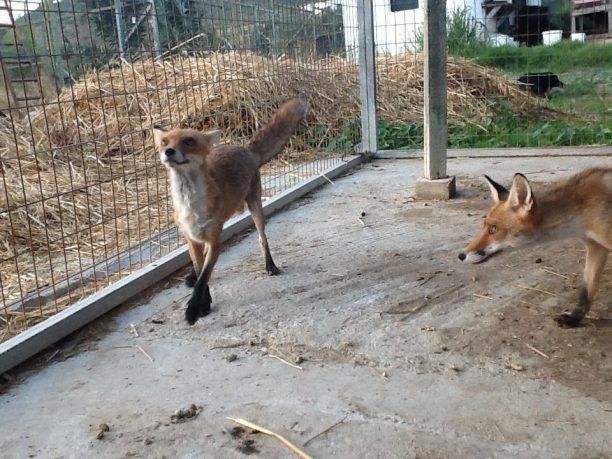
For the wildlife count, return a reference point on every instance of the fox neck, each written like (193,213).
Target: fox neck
(191,198)
(557,215)
(187,184)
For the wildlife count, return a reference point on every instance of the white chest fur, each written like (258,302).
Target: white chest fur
(189,195)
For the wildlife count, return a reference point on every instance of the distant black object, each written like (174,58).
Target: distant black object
(541,83)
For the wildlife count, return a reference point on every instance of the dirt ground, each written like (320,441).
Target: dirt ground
(402,351)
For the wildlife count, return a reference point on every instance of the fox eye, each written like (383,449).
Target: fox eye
(164,142)
(492,229)
(189,141)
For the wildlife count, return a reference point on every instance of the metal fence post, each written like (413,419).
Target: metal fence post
(120,29)
(154,28)
(367,76)
(435,184)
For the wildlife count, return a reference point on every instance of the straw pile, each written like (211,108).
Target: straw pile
(94,186)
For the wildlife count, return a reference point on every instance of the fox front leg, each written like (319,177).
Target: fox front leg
(200,301)
(192,276)
(595,263)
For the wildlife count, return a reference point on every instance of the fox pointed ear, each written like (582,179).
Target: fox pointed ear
(211,138)
(521,195)
(158,133)
(499,192)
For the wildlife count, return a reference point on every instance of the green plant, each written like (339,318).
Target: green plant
(347,137)
(562,57)
(504,130)
(510,130)
(559,14)
(395,137)
(462,36)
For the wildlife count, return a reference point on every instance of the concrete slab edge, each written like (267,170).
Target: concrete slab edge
(501,152)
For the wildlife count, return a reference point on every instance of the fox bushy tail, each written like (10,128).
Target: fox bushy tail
(270,140)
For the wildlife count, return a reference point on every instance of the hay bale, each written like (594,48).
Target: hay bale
(237,92)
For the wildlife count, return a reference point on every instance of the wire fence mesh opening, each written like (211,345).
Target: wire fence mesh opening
(83,199)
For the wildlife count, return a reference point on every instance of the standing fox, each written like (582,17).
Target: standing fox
(211,183)
(579,207)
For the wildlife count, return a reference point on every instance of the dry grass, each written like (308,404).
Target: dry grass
(80,179)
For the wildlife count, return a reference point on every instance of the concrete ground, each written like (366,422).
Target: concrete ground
(403,351)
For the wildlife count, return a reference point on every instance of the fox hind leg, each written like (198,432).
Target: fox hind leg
(253,201)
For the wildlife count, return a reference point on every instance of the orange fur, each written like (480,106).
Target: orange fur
(210,183)
(578,207)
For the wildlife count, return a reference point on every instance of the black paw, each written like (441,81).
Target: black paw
(567,319)
(197,307)
(192,313)
(208,300)
(207,295)
(191,278)
(272,270)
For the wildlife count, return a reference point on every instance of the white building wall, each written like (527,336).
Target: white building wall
(396,33)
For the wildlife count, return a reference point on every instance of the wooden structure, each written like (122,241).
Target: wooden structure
(19,69)
(523,20)
(592,17)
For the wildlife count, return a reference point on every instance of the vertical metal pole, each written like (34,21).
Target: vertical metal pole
(274,42)
(436,132)
(367,76)
(314,33)
(120,31)
(257,32)
(154,28)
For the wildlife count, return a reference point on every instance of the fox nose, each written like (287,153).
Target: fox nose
(462,256)
(170,151)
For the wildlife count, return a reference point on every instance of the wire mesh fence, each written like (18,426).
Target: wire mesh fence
(520,73)
(83,199)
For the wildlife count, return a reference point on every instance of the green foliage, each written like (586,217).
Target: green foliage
(508,130)
(504,130)
(586,91)
(559,14)
(462,36)
(287,29)
(103,23)
(586,71)
(561,57)
(347,138)
(395,137)
(264,27)
(249,24)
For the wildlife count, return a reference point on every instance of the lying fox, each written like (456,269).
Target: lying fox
(211,183)
(579,207)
